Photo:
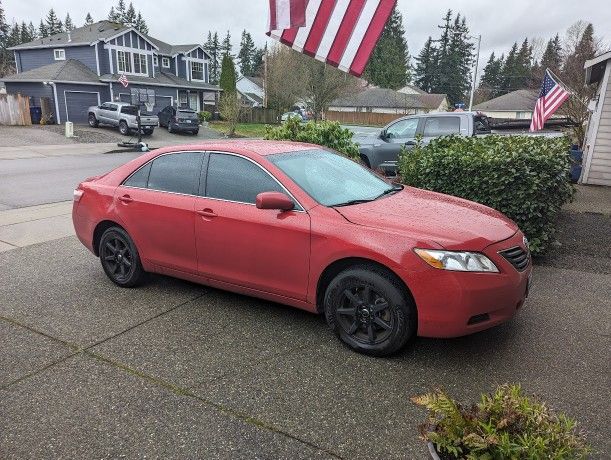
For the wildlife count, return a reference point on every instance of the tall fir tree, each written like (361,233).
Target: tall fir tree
(7,63)
(42,30)
(53,24)
(129,19)
(246,54)
(121,11)
(212,48)
(14,37)
(68,23)
(113,16)
(32,31)
(88,19)
(226,46)
(257,61)
(509,71)
(388,66)
(227,80)
(492,80)
(426,65)
(25,33)
(140,24)
(552,56)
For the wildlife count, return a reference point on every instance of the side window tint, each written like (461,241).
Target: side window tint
(140,178)
(403,129)
(237,179)
(441,126)
(177,172)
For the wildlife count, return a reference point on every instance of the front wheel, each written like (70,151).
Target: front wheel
(120,258)
(369,310)
(93,121)
(123,128)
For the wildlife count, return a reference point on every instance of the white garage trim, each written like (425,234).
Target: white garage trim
(66,99)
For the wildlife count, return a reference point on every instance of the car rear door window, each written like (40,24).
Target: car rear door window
(441,126)
(234,178)
(176,172)
(140,178)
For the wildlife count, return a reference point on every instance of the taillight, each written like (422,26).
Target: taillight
(78,193)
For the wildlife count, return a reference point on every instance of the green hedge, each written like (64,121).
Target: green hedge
(524,177)
(326,133)
(203,116)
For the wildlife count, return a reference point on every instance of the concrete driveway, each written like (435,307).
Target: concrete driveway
(178,370)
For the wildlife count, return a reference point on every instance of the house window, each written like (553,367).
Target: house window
(140,64)
(197,71)
(165,62)
(182,99)
(124,61)
(155,61)
(59,55)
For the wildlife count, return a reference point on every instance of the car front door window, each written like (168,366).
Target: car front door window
(403,129)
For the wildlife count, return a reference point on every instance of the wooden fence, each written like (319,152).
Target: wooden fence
(362,118)
(14,110)
(259,115)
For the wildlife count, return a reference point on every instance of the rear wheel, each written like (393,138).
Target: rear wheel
(93,121)
(196,132)
(123,128)
(369,310)
(120,258)
(147,132)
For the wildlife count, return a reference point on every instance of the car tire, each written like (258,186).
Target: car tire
(120,259)
(93,121)
(147,132)
(196,132)
(123,128)
(369,310)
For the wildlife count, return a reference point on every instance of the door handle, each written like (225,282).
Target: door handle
(126,199)
(206,212)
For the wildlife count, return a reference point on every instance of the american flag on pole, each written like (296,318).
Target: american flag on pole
(285,14)
(123,80)
(342,33)
(551,97)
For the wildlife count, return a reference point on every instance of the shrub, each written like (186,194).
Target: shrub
(503,425)
(524,177)
(204,115)
(326,133)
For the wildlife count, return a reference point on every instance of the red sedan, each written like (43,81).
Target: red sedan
(303,226)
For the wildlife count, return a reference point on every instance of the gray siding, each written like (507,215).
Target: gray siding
(600,166)
(31,59)
(103,57)
(181,66)
(129,40)
(78,105)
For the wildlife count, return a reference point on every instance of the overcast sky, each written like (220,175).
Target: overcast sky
(187,21)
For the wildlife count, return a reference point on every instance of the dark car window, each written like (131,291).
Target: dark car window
(140,178)
(441,126)
(481,124)
(129,110)
(234,178)
(178,173)
(403,129)
(109,107)
(187,114)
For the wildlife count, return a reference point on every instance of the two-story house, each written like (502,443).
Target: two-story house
(81,68)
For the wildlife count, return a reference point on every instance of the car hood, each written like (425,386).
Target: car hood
(426,216)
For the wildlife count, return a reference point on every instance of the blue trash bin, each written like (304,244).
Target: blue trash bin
(576,156)
(36,115)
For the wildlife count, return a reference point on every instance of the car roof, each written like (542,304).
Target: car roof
(247,146)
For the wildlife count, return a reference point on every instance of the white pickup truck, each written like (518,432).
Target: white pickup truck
(122,115)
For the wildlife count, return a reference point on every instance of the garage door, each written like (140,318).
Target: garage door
(77,105)
(161,102)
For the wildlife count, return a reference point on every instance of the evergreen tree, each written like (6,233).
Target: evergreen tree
(60,27)
(212,48)
(88,19)
(52,23)
(552,56)
(509,70)
(257,61)
(68,23)
(247,54)
(492,80)
(121,13)
(25,33)
(7,64)
(226,47)
(523,68)
(42,30)
(388,66)
(113,16)
(129,19)
(32,31)
(426,64)
(228,77)
(140,24)
(14,37)
(4,29)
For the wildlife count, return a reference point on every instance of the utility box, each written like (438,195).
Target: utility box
(69,129)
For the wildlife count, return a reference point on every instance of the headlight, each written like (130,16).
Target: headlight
(457,260)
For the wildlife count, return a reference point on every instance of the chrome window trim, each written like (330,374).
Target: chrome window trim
(122,184)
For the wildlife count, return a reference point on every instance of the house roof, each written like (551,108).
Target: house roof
(161,79)
(522,100)
(414,88)
(595,67)
(256,80)
(171,50)
(61,71)
(85,35)
(388,98)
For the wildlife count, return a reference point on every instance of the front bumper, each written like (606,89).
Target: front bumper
(453,304)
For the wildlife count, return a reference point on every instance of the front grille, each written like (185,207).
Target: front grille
(518,257)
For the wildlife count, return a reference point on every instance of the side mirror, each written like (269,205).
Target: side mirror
(274,200)
(383,134)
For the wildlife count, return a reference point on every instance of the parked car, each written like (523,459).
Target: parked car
(300,225)
(179,120)
(382,150)
(122,115)
(285,116)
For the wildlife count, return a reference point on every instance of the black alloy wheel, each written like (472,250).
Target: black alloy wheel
(123,128)
(119,257)
(93,121)
(369,310)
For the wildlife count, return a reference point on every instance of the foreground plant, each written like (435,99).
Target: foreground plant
(505,425)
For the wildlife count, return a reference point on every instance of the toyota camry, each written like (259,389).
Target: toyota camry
(301,225)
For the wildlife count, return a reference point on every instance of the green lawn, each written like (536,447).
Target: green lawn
(242,129)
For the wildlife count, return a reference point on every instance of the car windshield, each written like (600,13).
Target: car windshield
(331,179)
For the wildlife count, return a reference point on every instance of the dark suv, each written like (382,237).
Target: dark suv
(179,120)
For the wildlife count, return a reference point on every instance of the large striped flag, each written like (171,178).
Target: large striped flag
(342,33)
(551,97)
(284,14)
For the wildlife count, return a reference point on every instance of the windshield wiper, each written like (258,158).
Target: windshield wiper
(348,203)
(394,189)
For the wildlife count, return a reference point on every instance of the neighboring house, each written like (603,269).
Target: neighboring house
(517,105)
(251,91)
(80,68)
(382,100)
(411,89)
(597,151)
